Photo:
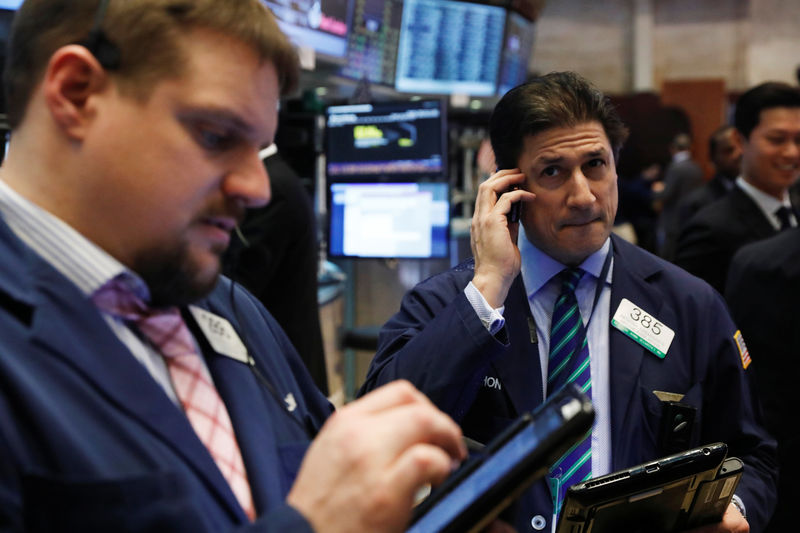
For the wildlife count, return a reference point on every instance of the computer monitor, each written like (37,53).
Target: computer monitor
(449,47)
(319,24)
(517,48)
(372,41)
(7,11)
(401,141)
(389,220)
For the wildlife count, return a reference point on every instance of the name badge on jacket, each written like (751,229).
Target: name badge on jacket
(642,327)
(220,334)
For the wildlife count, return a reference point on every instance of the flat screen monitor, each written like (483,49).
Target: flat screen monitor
(517,49)
(401,141)
(319,24)
(7,10)
(449,47)
(372,41)
(389,220)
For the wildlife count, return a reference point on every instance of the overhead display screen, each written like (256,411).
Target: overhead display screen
(449,47)
(516,52)
(319,24)
(399,140)
(372,42)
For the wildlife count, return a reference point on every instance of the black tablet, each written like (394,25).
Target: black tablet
(484,485)
(654,497)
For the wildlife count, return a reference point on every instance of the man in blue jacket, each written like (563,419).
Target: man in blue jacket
(651,338)
(139,391)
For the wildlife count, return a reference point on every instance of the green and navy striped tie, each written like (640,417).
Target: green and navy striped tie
(569,362)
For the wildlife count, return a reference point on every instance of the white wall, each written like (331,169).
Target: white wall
(774,41)
(588,36)
(701,39)
(743,42)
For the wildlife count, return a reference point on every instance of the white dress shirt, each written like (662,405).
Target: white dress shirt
(768,203)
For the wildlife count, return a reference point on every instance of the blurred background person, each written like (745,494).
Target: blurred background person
(725,152)
(279,259)
(636,204)
(767,118)
(682,176)
(762,289)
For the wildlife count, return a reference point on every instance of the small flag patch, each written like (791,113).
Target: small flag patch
(743,352)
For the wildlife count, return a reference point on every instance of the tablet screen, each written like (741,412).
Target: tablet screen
(493,469)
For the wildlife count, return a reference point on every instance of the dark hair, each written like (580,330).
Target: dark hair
(681,141)
(759,98)
(554,100)
(147,35)
(713,141)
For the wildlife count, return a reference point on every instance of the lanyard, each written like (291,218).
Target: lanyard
(600,281)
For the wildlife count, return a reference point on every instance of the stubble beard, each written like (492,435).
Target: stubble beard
(173,278)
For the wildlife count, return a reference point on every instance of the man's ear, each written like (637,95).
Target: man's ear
(739,138)
(73,75)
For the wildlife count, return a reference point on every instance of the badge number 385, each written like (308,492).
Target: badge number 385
(643,327)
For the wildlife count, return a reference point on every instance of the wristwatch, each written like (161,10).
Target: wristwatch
(739,505)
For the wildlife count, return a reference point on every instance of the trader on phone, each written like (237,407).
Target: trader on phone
(559,299)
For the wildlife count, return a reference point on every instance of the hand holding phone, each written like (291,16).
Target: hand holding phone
(493,240)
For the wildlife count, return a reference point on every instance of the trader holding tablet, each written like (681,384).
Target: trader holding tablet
(141,391)
(653,346)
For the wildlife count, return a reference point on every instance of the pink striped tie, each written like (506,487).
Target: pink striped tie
(169,334)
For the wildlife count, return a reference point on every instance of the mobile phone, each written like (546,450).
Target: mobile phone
(513,214)
(485,485)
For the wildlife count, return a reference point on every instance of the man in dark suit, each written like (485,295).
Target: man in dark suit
(726,154)
(762,290)
(681,177)
(140,390)
(477,339)
(767,119)
(279,260)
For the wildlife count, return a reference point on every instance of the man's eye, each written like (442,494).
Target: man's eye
(594,163)
(213,140)
(550,171)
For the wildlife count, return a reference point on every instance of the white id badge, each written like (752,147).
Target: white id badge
(643,327)
(220,334)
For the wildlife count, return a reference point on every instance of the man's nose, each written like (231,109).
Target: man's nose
(248,181)
(792,149)
(581,194)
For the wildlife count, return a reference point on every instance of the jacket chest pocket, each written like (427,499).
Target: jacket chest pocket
(673,421)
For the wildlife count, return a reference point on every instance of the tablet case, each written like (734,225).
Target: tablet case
(713,497)
(654,497)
